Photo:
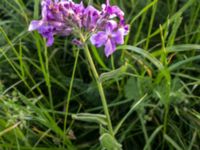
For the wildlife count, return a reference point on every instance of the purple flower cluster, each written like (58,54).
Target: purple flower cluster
(65,17)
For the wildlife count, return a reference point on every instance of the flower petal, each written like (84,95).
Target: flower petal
(47,32)
(34,25)
(99,39)
(115,11)
(110,47)
(45,4)
(90,17)
(50,40)
(126,29)
(110,26)
(107,2)
(118,36)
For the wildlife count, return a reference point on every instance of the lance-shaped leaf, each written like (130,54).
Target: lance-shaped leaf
(87,117)
(114,74)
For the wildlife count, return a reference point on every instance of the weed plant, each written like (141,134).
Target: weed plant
(49,98)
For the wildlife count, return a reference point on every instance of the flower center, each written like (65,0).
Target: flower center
(109,36)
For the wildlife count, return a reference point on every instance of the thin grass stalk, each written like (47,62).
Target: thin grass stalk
(48,82)
(70,91)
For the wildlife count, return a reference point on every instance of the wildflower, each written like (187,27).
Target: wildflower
(64,17)
(110,37)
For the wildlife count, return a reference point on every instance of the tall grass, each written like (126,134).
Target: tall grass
(152,82)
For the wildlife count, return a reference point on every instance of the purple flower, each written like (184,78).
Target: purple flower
(112,11)
(90,17)
(64,17)
(52,22)
(109,38)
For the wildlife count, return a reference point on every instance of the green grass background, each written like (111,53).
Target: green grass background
(152,82)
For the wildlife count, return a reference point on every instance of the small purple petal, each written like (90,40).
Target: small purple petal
(107,2)
(77,42)
(116,10)
(126,29)
(110,26)
(45,5)
(112,11)
(65,32)
(34,25)
(47,32)
(79,8)
(110,47)
(118,36)
(90,17)
(50,40)
(99,39)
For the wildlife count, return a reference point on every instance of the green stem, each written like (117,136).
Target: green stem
(47,78)
(165,124)
(99,85)
(146,137)
(166,118)
(70,92)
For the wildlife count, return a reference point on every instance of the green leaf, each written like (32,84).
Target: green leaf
(114,74)
(102,130)
(145,9)
(172,142)
(172,18)
(98,58)
(177,95)
(143,53)
(183,48)
(178,48)
(175,28)
(132,89)
(87,117)
(153,135)
(183,62)
(161,92)
(109,143)
(135,88)
(133,108)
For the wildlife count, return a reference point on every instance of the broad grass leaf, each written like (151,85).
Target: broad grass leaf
(109,143)
(172,142)
(143,53)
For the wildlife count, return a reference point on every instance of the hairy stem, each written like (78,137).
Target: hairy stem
(99,85)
